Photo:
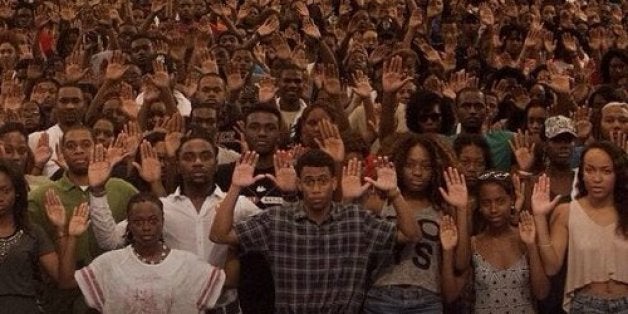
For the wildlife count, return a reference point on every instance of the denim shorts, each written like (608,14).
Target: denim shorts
(587,304)
(402,300)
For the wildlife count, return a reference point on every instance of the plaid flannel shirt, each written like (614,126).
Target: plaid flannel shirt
(318,268)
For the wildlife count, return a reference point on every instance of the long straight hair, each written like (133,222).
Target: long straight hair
(620,191)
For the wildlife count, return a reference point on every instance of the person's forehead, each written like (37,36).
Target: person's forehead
(144,209)
(211,80)
(78,135)
(196,146)
(5,45)
(291,74)
(262,117)
(141,41)
(14,137)
(70,91)
(472,97)
(103,125)
(308,171)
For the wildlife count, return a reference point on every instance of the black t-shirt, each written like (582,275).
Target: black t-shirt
(263,193)
(256,288)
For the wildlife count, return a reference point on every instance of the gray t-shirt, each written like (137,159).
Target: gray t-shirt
(19,269)
(416,264)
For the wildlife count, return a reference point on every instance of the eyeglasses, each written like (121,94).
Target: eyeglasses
(494,175)
(434,116)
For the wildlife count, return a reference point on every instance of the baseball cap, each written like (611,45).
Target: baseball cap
(558,125)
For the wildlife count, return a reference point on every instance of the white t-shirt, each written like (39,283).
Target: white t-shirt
(118,282)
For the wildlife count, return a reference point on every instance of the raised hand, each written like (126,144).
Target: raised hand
(160,76)
(150,167)
(13,97)
(527,228)
(55,210)
(42,152)
(352,186)
(331,80)
(280,46)
(620,139)
(570,42)
(239,129)
(310,29)
(206,62)
(79,222)
(386,175)
(486,15)
(74,69)
(456,194)
(235,81)
(541,203)
(361,85)
(448,233)
(116,67)
(582,119)
(285,177)
(244,170)
(99,169)
(330,141)
(379,54)
(174,128)
(270,26)
(267,89)
(549,42)
(133,137)
(416,19)
(393,77)
(523,146)
(128,105)
(301,8)
(299,57)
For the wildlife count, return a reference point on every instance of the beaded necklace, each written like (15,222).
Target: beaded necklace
(9,242)
(162,257)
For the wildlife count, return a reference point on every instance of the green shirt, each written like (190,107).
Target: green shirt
(118,194)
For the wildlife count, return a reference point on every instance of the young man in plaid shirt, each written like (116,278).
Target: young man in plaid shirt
(318,249)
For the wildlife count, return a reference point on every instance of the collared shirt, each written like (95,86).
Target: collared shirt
(54,137)
(187,229)
(118,194)
(317,268)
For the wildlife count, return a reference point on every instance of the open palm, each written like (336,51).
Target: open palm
(54,209)
(79,220)
(456,194)
(541,202)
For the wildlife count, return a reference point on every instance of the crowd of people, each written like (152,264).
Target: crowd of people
(313,156)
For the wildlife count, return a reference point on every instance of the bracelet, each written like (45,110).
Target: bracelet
(545,245)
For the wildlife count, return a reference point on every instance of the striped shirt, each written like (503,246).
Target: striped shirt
(317,268)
